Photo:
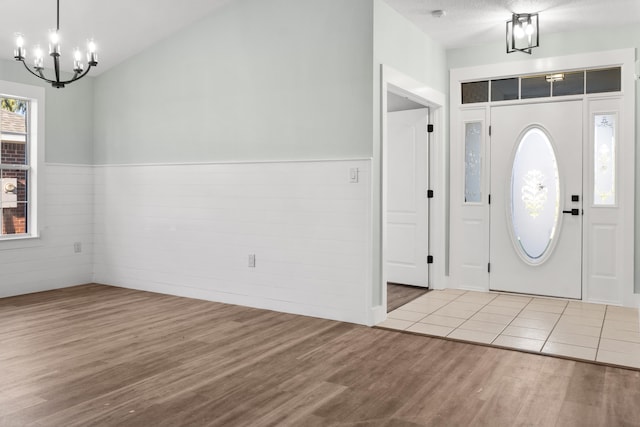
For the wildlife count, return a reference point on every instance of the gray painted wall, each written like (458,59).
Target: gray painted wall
(68,115)
(256,80)
(567,44)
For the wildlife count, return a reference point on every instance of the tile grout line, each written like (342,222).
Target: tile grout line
(428,314)
(554,327)
(604,318)
(469,318)
(449,302)
(516,316)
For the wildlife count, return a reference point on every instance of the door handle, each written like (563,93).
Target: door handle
(572,211)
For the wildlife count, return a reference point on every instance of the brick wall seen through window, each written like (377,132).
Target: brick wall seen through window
(14,167)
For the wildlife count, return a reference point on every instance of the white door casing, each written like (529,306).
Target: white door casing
(407,203)
(555,268)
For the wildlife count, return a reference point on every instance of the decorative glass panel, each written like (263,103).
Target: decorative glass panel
(535,195)
(504,89)
(604,182)
(472,162)
(535,87)
(473,92)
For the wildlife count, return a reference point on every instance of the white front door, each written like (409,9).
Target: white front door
(407,203)
(536,199)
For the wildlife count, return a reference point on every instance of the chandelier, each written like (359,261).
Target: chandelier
(54,51)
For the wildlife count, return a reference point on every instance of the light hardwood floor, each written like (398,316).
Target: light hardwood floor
(104,356)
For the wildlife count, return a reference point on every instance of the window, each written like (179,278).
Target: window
(604,160)
(475,92)
(535,87)
(528,87)
(504,89)
(535,195)
(19,154)
(14,166)
(472,162)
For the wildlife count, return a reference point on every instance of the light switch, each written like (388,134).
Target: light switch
(353,175)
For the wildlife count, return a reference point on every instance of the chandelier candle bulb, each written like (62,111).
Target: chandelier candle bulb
(54,43)
(92,56)
(19,52)
(38,58)
(77,57)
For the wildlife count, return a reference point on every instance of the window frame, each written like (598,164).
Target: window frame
(35,149)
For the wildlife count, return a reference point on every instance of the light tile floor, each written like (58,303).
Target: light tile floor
(595,332)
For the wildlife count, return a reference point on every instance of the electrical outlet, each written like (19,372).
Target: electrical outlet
(252,260)
(77,247)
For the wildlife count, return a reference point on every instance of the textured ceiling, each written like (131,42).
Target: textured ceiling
(475,22)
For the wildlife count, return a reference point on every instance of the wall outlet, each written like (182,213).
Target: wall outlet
(77,247)
(252,260)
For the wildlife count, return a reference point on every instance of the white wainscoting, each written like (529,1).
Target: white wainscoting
(188,230)
(66,217)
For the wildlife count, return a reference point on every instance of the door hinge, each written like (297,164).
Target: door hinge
(429,128)
(430,259)
(489,198)
(489,267)
(429,194)
(489,130)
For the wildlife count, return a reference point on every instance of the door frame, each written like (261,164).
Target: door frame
(399,83)
(624,58)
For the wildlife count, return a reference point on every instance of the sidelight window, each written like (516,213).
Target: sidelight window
(604,160)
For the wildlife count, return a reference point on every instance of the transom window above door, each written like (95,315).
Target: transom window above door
(542,86)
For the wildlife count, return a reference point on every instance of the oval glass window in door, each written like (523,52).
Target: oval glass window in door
(535,196)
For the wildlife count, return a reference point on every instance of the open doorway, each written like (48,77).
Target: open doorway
(413,189)
(407,201)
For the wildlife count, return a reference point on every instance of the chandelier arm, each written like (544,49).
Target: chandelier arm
(41,76)
(78,77)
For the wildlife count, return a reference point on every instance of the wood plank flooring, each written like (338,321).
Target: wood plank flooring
(104,356)
(398,295)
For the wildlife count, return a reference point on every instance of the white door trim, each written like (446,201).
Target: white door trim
(399,83)
(624,58)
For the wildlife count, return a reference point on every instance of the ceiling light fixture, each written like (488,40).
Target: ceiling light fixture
(522,33)
(54,52)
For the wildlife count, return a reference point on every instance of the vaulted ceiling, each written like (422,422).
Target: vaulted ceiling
(123,28)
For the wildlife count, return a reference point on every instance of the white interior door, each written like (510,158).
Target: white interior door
(407,203)
(536,199)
